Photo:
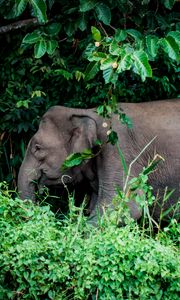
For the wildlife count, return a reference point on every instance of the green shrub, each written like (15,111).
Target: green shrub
(44,258)
(80,54)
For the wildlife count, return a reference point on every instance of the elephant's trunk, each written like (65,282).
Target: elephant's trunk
(27,177)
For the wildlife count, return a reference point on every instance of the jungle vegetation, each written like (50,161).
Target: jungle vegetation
(82,53)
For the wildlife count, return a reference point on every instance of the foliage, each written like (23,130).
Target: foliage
(41,257)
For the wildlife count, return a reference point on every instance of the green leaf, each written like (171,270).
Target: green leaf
(91,70)
(107,74)
(175,35)
(40,48)
(152,165)
(170,46)
(98,143)
(87,154)
(19,7)
(51,46)
(134,33)
(22,103)
(89,50)
(103,13)
(53,29)
(82,24)
(114,48)
(39,7)
(72,160)
(125,63)
(168,3)
(75,159)
(152,45)
(96,34)
(98,56)
(141,64)
(100,110)
(31,38)
(70,28)
(106,63)
(87,5)
(120,35)
(67,75)
(79,75)
(125,120)
(162,22)
(113,137)
(104,110)
(121,155)
(144,2)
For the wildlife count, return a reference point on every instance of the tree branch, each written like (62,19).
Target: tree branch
(18,25)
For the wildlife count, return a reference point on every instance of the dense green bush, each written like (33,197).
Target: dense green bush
(44,258)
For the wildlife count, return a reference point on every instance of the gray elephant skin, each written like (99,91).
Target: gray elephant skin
(63,131)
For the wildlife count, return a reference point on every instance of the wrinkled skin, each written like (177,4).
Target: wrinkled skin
(63,131)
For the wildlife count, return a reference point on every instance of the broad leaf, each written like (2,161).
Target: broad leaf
(170,46)
(125,120)
(51,46)
(162,22)
(141,64)
(91,70)
(53,29)
(89,50)
(134,33)
(22,103)
(19,7)
(67,75)
(105,111)
(96,34)
(70,28)
(103,13)
(31,38)
(114,48)
(98,56)
(39,7)
(169,3)
(152,45)
(82,24)
(75,159)
(113,137)
(72,160)
(106,63)
(108,74)
(175,35)
(125,63)
(87,154)
(40,49)
(87,5)
(120,35)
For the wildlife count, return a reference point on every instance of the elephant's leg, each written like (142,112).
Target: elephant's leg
(104,201)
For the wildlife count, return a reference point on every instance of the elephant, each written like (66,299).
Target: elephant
(63,131)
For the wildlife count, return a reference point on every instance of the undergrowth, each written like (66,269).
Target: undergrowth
(42,257)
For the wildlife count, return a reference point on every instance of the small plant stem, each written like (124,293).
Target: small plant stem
(136,158)
(122,158)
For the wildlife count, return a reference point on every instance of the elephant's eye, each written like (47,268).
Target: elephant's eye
(37,147)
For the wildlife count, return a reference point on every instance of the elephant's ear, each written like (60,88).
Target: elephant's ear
(84,133)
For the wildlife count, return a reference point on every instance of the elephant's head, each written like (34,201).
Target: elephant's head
(62,131)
